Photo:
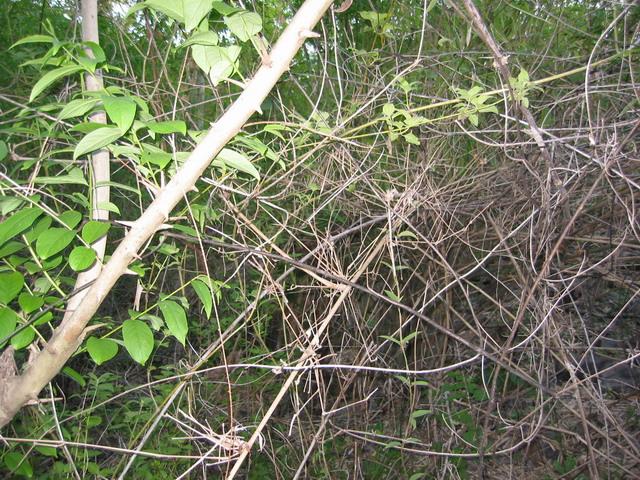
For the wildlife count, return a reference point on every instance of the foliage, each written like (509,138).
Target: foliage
(447,273)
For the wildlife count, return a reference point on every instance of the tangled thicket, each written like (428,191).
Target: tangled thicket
(465,301)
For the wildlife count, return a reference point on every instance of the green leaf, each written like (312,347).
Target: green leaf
(70,218)
(204,294)
(76,108)
(4,150)
(236,160)
(171,8)
(388,109)
(217,62)
(223,8)
(81,258)
(202,38)
(18,464)
(101,349)
(24,338)
(34,39)
(47,451)
(138,340)
(161,159)
(74,177)
(175,319)
(194,12)
(52,241)
(174,126)
(392,296)
(109,206)
(18,222)
(50,77)
(29,303)
(121,111)
(97,139)
(75,376)
(10,286)
(420,413)
(8,322)
(93,230)
(244,25)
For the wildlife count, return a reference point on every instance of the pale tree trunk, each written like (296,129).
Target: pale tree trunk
(69,335)
(99,167)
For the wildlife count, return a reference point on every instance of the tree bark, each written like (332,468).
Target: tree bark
(69,335)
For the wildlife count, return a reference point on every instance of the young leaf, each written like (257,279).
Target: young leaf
(75,376)
(101,349)
(202,38)
(29,303)
(34,39)
(24,338)
(50,77)
(97,139)
(175,319)
(194,12)
(138,340)
(81,258)
(70,218)
(52,241)
(18,464)
(10,286)
(76,108)
(244,25)
(237,160)
(18,222)
(93,230)
(171,8)
(174,126)
(121,111)
(204,294)
(74,177)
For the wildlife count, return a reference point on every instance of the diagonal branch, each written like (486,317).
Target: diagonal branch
(69,335)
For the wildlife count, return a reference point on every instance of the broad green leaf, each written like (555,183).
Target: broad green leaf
(23,338)
(8,322)
(52,241)
(207,38)
(93,230)
(109,206)
(4,150)
(237,160)
(70,218)
(138,340)
(47,451)
(34,39)
(244,25)
(81,258)
(388,109)
(204,294)
(121,111)
(29,303)
(171,8)
(97,139)
(101,349)
(74,177)
(173,126)
(194,12)
(43,224)
(161,159)
(18,222)
(18,464)
(217,62)
(223,8)
(76,108)
(10,286)
(50,77)
(175,319)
